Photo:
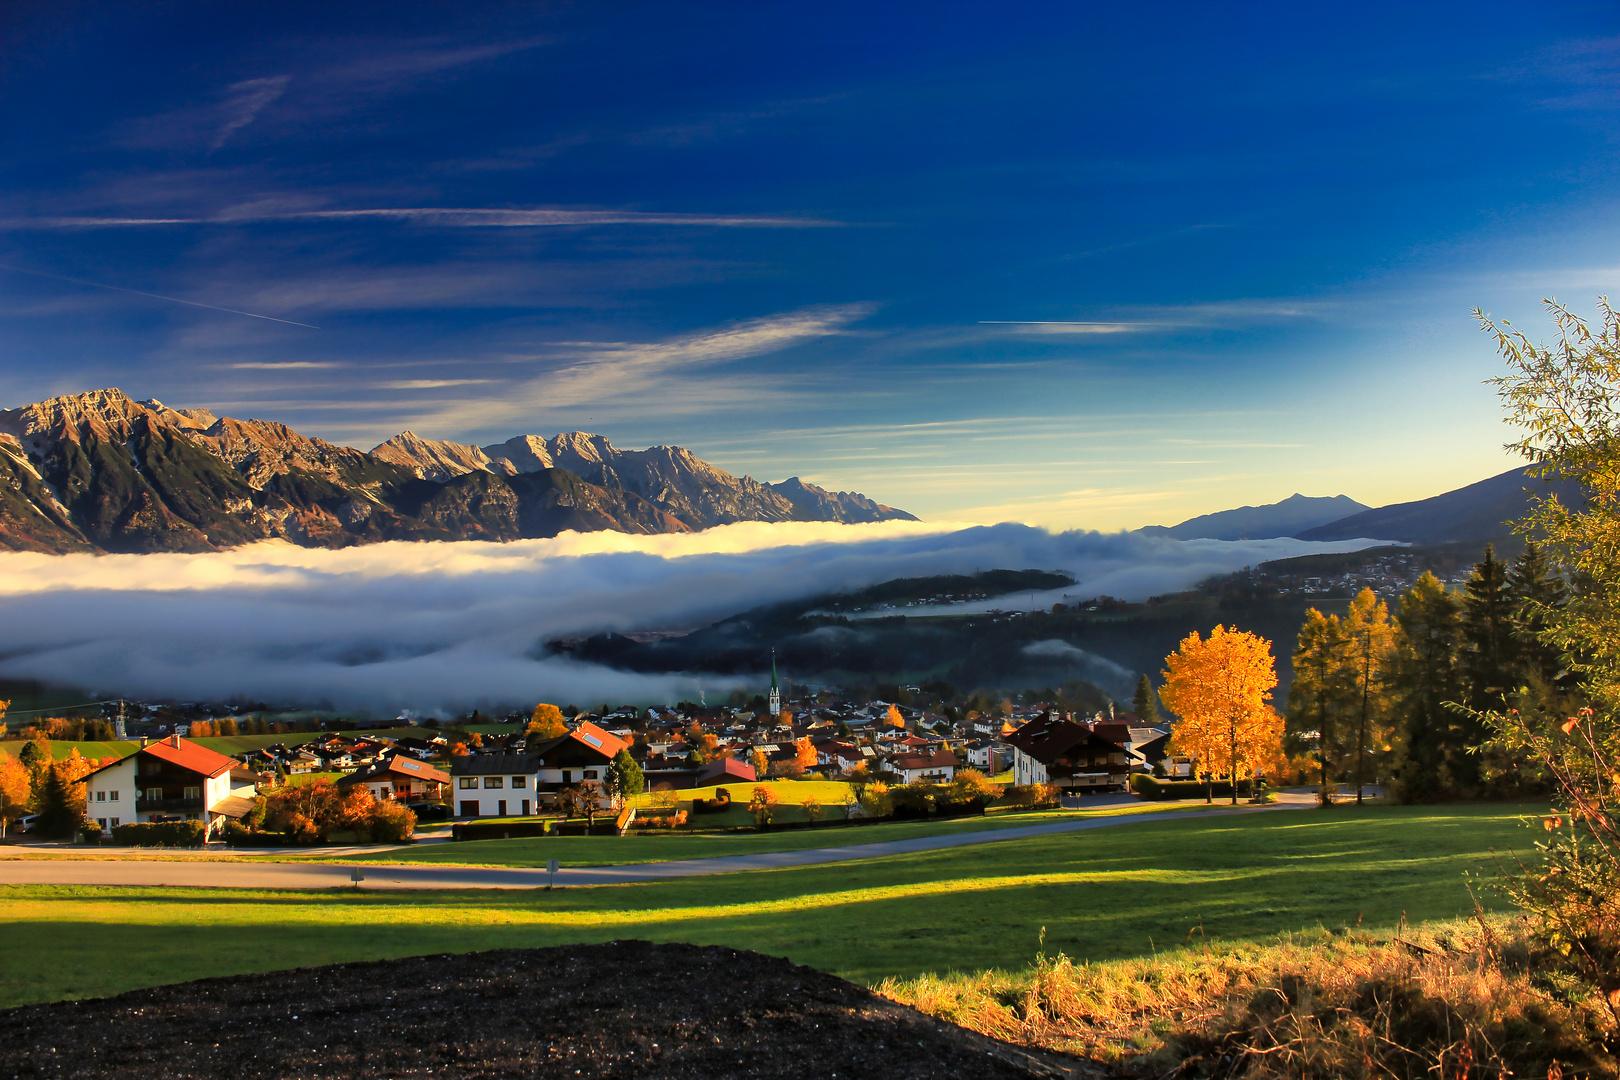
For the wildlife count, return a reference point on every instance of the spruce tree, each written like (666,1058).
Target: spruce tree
(55,808)
(1487,658)
(1145,703)
(1433,760)
(1536,593)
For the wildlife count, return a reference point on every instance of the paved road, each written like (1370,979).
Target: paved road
(246,875)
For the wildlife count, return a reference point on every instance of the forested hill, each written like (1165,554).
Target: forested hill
(1474,514)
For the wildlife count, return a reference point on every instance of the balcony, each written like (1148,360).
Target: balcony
(168,806)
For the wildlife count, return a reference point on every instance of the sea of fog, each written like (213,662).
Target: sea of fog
(444,627)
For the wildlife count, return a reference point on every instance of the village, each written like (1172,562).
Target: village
(562,763)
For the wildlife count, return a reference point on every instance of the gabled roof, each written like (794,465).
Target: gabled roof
(493,764)
(598,740)
(409,767)
(1047,740)
(182,753)
(720,770)
(940,758)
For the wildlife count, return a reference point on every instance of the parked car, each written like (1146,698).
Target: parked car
(427,811)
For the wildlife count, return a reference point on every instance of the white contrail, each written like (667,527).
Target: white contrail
(155,296)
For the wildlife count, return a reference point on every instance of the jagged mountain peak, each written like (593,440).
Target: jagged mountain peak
(101,471)
(434,459)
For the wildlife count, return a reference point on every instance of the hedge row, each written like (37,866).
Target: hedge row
(1151,787)
(160,834)
(503,830)
(240,836)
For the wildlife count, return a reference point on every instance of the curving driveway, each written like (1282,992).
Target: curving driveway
(232,874)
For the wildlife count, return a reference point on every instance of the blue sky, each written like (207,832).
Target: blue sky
(1071,264)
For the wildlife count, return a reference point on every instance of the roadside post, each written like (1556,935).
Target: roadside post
(356,876)
(551,872)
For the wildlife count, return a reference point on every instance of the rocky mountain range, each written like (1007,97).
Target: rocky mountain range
(101,471)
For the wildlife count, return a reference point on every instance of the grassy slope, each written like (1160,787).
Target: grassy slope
(618,851)
(1104,894)
(64,749)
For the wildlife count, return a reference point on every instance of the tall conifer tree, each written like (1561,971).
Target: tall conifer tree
(1488,656)
(1145,703)
(1423,679)
(1537,593)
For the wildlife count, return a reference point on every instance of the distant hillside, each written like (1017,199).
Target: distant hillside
(1261,522)
(1476,513)
(100,471)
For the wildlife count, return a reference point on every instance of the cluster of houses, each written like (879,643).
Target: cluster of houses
(511,775)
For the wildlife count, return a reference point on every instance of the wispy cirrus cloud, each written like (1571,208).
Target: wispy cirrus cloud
(669,374)
(359,72)
(247,99)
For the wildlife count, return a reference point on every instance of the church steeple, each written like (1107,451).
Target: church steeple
(776,693)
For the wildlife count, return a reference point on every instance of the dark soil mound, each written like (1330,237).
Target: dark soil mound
(624,1009)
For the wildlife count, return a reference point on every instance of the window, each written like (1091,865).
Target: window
(468,782)
(494,781)
(590,774)
(154,794)
(520,781)
(101,796)
(113,797)
(193,793)
(568,777)
(102,822)
(115,823)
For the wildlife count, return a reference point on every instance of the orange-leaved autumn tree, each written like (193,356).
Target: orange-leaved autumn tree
(805,754)
(546,723)
(893,717)
(1219,686)
(15,787)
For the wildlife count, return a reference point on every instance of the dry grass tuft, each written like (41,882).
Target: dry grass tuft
(1451,1000)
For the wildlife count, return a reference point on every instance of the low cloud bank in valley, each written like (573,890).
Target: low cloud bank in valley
(443,627)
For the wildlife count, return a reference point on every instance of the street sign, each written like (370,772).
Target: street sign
(551,871)
(356,876)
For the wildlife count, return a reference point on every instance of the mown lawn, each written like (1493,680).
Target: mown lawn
(1100,894)
(621,850)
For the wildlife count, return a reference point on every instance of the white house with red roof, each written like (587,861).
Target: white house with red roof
(173,779)
(935,763)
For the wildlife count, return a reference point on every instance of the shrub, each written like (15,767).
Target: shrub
(160,834)
(971,786)
(236,835)
(1032,796)
(915,799)
(875,800)
(391,823)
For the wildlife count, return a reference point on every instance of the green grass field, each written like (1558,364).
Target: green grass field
(656,847)
(1102,894)
(97,750)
